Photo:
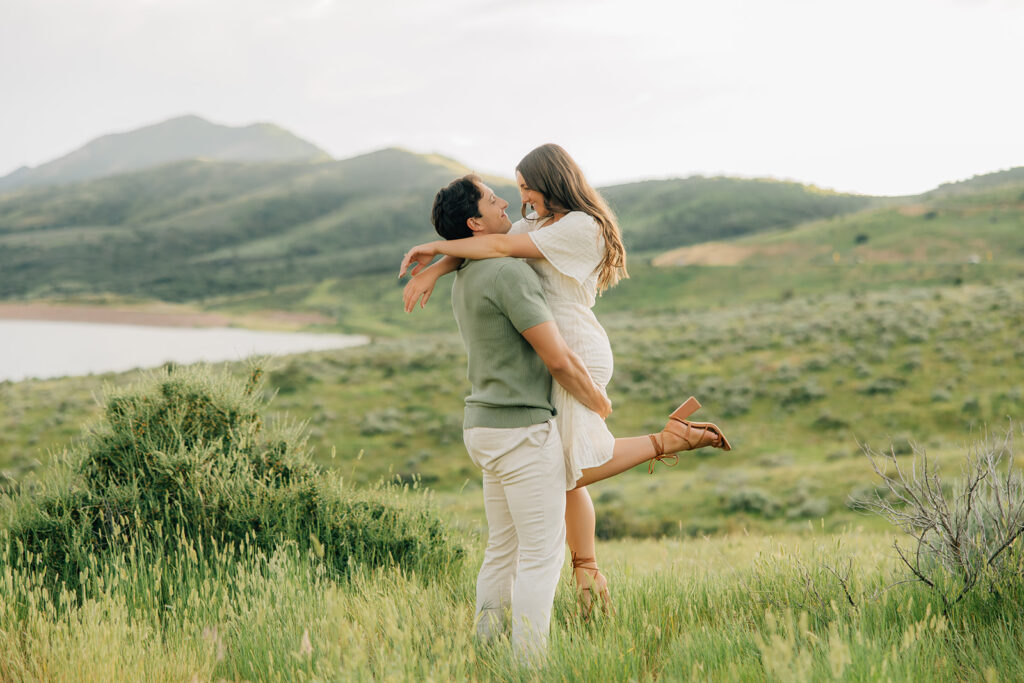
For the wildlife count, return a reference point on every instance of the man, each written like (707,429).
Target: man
(514,349)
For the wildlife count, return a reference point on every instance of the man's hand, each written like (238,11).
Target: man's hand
(421,254)
(566,367)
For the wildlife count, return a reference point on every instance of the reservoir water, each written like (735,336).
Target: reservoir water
(44,349)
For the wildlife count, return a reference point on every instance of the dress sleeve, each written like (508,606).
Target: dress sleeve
(573,245)
(520,226)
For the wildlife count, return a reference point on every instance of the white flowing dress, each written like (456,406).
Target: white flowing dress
(573,249)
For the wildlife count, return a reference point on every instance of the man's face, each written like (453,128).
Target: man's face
(491,207)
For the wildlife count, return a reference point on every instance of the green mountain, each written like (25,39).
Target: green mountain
(1010,176)
(184,137)
(976,221)
(658,215)
(197,228)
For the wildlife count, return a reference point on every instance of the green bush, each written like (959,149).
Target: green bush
(291,378)
(808,508)
(816,364)
(827,422)
(971,406)
(883,385)
(752,500)
(185,454)
(617,521)
(808,392)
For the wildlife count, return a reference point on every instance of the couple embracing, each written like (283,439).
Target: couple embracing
(539,362)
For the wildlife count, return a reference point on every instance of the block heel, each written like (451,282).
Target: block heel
(683,435)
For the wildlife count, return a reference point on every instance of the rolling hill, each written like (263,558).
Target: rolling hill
(198,228)
(184,137)
(192,228)
(974,221)
(658,215)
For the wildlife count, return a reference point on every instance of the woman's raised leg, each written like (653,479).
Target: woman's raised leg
(678,435)
(627,454)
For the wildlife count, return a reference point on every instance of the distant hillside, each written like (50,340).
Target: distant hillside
(662,214)
(1011,176)
(185,137)
(192,229)
(972,222)
(197,229)
(200,228)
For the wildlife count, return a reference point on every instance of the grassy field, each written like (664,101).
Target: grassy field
(745,565)
(732,607)
(796,383)
(733,582)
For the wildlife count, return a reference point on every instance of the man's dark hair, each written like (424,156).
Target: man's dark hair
(454,205)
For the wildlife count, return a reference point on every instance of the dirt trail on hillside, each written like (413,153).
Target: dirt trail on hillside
(721,254)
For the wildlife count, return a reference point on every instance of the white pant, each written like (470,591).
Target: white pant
(524,497)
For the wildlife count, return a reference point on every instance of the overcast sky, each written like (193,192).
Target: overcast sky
(874,96)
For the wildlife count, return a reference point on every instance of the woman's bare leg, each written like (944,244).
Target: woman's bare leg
(628,453)
(579,533)
(580,522)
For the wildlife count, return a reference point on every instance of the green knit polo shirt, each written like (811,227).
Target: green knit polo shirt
(494,300)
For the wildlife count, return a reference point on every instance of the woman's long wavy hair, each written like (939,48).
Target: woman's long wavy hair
(551,171)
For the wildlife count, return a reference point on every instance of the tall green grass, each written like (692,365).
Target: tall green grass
(728,608)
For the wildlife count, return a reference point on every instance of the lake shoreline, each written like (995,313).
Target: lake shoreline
(157,315)
(44,349)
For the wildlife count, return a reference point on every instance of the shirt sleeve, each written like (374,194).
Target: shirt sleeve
(519,295)
(573,245)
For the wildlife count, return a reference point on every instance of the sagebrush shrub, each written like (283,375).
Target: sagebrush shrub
(964,534)
(186,453)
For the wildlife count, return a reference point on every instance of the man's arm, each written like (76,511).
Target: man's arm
(422,285)
(566,367)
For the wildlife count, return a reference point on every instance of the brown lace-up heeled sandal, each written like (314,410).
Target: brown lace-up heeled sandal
(593,584)
(682,435)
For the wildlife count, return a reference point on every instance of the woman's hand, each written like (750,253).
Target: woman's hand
(422,255)
(420,286)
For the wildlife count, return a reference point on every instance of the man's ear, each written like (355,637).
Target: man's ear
(474,225)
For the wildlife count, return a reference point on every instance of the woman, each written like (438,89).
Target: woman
(572,240)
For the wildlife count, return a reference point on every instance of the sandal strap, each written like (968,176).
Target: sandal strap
(659,453)
(584,562)
(661,457)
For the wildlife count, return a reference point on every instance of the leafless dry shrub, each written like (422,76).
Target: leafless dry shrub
(964,533)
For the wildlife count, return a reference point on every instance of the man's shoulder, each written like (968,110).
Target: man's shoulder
(495,263)
(503,267)
(506,282)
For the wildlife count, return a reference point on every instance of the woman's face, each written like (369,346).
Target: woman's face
(531,197)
